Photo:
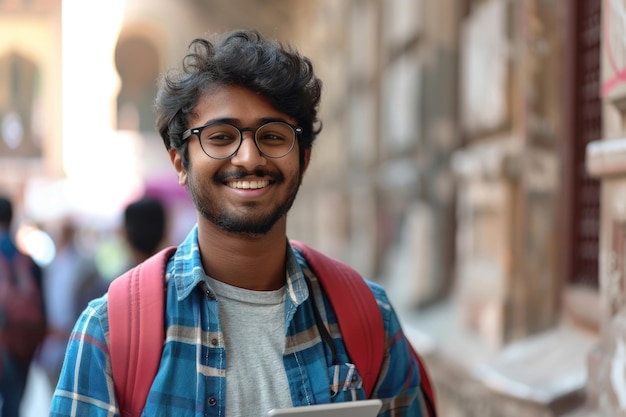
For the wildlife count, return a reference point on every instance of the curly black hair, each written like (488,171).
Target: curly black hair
(243,58)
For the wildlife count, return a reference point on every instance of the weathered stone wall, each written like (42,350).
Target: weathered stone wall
(606,159)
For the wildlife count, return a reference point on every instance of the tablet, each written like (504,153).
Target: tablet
(364,408)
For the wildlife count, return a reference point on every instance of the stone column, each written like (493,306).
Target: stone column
(508,172)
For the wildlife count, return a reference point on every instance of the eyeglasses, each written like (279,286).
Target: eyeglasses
(220,140)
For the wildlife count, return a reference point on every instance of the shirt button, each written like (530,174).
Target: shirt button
(212,401)
(354,378)
(214,341)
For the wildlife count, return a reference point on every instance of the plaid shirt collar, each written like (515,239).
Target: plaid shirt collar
(187,271)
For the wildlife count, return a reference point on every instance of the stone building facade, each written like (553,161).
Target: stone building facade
(471,161)
(458,202)
(606,161)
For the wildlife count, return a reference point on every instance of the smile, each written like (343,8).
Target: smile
(247,185)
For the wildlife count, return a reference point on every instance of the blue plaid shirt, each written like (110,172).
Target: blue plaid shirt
(191,380)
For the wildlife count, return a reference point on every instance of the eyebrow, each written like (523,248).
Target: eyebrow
(237,122)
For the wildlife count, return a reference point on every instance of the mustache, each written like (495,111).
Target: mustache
(237,175)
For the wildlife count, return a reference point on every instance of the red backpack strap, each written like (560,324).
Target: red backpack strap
(136,306)
(360,321)
(425,385)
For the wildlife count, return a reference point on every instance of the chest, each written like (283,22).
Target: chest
(193,374)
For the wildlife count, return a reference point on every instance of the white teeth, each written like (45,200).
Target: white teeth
(248,184)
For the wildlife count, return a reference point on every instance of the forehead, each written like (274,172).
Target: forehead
(234,102)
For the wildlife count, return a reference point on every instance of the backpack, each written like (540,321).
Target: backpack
(135,349)
(24,322)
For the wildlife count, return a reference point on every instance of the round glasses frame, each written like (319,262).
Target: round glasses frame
(197,131)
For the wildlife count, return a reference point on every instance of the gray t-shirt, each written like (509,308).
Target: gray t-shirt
(253,325)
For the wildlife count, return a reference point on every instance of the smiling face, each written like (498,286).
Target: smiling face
(248,193)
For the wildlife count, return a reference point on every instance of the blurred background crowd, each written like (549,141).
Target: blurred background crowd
(472,160)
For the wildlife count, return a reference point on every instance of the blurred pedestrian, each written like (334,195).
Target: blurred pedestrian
(144,228)
(70,281)
(22,314)
(142,231)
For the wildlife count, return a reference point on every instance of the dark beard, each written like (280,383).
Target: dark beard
(259,226)
(249,225)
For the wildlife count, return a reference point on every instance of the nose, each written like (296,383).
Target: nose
(248,155)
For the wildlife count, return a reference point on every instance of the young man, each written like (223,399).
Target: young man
(239,121)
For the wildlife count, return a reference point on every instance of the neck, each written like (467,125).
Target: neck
(245,261)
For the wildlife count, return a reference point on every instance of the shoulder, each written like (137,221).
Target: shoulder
(379,293)
(309,258)
(98,307)
(94,320)
(387,311)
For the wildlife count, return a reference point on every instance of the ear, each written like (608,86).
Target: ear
(177,162)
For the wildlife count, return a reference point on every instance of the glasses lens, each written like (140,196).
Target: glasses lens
(220,140)
(275,139)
